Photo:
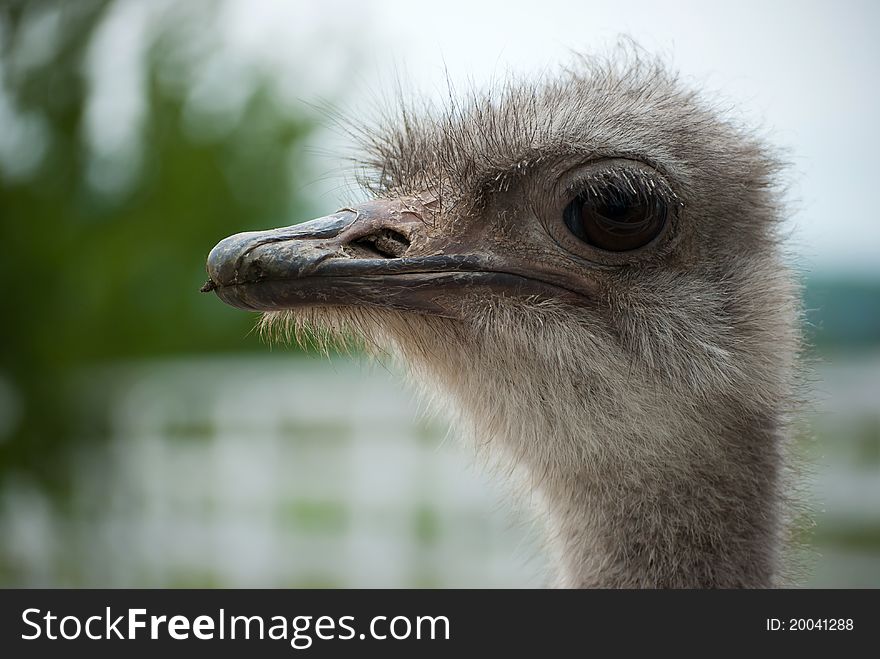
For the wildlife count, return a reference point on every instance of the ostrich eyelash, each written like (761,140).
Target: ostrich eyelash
(613,183)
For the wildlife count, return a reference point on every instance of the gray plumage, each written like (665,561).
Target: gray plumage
(650,423)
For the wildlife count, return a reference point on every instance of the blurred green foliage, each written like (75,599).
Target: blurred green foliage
(90,276)
(842,314)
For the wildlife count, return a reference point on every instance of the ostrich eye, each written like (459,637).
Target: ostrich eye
(615,219)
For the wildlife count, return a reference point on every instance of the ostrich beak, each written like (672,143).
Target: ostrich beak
(377,254)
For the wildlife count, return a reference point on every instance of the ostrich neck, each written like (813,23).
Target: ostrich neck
(711,524)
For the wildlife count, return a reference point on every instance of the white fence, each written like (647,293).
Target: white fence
(291,471)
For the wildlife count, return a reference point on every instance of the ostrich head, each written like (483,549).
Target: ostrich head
(585,272)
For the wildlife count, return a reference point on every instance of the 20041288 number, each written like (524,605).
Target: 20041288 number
(823,624)
(810,624)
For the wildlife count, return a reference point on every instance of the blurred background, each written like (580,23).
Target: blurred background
(149,438)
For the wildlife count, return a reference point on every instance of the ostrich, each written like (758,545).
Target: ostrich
(585,271)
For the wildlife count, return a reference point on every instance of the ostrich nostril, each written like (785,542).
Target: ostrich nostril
(385,243)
